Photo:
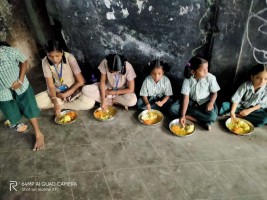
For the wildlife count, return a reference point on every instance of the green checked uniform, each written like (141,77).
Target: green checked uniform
(199,92)
(155,92)
(20,102)
(247,97)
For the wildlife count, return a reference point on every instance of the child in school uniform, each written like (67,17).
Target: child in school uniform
(116,83)
(64,81)
(250,99)
(199,91)
(156,89)
(16,94)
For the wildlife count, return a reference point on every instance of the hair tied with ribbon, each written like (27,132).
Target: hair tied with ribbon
(188,65)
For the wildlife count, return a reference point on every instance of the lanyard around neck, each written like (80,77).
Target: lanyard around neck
(117,77)
(59,73)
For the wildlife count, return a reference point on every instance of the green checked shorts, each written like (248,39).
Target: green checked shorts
(24,104)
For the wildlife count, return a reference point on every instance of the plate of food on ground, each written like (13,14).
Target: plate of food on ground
(105,115)
(66,117)
(239,126)
(182,131)
(150,117)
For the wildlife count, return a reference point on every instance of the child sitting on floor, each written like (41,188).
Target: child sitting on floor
(156,89)
(199,91)
(250,99)
(116,83)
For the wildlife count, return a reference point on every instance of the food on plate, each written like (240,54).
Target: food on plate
(72,114)
(105,114)
(68,117)
(182,131)
(151,117)
(239,126)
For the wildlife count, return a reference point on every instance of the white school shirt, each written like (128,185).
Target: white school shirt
(161,88)
(200,90)
(247,97)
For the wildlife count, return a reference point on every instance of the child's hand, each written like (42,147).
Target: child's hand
(104,105)
(57,109)
(148,106)
(244,112)
(159,103)
(109,92)
(182,121)
(16,85)
(233,116)
(61,96)
(210,106)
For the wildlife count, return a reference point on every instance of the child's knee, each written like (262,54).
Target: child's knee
(87,102)
(260,122)
(129,100)
(225,108)
(88,89)
(174,109)
(140,104)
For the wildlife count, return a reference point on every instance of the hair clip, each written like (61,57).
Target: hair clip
(188,64)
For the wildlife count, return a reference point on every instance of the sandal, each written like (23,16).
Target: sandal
(8,124)
(22,128)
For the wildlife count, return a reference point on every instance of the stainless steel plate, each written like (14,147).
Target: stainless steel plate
(105,115)
(63,114)
(150,122)
(179,130)
(239,129)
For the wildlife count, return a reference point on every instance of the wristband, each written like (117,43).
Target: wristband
(20,82)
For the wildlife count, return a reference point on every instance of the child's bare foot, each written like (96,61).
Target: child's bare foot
(39,143)
(207,126)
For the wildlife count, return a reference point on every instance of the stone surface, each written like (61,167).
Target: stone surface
(134,161)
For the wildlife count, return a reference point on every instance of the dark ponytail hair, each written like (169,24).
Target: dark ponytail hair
(4,44)
(116,63)
(258,69)
(193,64)
(157,64)
(54,45)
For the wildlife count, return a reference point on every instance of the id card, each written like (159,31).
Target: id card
(62,88)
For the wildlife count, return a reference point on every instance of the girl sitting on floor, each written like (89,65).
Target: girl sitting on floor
(64,81)
(199,91)
(156,89)
(250,99)
(116,83)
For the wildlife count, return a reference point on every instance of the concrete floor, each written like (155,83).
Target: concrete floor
(123,159)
